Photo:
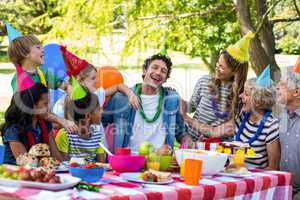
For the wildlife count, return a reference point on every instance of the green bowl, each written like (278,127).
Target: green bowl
(165,162)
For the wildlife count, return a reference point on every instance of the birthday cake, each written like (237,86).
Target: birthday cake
(236,147)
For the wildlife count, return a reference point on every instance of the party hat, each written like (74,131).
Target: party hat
(296,67)
(73,64)
(23,80)
(12,33)
(239,50)
(77,91)
(163,51)
(264,79)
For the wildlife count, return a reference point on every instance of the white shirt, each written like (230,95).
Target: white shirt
(142,131)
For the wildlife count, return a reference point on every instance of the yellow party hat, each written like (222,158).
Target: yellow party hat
(239,50)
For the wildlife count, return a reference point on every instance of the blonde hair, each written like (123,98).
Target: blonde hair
(85,72)
(19,48)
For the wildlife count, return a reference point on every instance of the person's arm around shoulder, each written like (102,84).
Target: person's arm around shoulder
(133,100)
(69,125)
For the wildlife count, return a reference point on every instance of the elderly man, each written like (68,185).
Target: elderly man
(158,120)
(289,95)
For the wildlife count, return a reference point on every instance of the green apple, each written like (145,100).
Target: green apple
(145,148)
(165,162)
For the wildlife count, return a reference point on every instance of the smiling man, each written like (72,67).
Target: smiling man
(158,120)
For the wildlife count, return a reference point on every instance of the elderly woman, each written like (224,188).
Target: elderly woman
(258,127)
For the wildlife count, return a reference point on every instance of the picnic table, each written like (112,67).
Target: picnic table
(262,185)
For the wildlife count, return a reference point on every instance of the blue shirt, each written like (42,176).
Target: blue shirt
(289,136)
(12,134)
(122,115)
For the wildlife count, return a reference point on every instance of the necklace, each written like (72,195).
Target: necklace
(218,114)
(258,131)
(138,90)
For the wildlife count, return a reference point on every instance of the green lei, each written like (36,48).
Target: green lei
(138,90)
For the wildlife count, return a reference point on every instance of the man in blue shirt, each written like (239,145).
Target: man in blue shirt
(288,90)
(158,119)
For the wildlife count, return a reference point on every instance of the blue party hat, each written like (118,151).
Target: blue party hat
(264,79)
(12,33)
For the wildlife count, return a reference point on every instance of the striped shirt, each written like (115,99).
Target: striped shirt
(76,146)
(269,134)
(201,104)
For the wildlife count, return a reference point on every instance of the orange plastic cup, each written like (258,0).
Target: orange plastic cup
(192,171)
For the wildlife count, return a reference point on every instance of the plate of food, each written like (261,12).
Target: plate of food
(234,170)
(236,147)
(35,178)
(149,177)
(81,161)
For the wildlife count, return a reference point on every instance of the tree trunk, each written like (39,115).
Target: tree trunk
(261,54)
(267,35)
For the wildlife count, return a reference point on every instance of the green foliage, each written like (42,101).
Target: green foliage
(287,34)
(195,27)
(186,26)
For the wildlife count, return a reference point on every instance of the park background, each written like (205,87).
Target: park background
(122,33)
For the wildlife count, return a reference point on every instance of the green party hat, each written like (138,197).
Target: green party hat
(77,91)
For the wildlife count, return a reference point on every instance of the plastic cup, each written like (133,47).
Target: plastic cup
(192,171)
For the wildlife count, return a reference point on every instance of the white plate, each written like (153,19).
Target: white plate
(249,174)
(68,181)
(135,177)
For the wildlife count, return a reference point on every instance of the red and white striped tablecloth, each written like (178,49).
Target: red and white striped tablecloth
(262,185)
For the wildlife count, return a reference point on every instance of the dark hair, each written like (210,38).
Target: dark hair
(19,112)
(238,80)
(159,56)
(77,109)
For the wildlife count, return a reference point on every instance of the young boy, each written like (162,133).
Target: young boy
(85,110)
(289,133)
(28,52)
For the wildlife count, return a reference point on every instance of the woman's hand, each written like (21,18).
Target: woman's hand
(225,129)
(182,109)
(69,126)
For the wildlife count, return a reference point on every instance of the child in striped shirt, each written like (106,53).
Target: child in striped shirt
(86,113)
(257,126)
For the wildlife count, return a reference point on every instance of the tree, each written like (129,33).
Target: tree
(262,48)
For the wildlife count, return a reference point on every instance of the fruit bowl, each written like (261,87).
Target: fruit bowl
(127,163)
(212,162)
(87,174)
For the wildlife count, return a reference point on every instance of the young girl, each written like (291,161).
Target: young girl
(87,77)
(215,99)
(85,111)
(24,125)
(257,126)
